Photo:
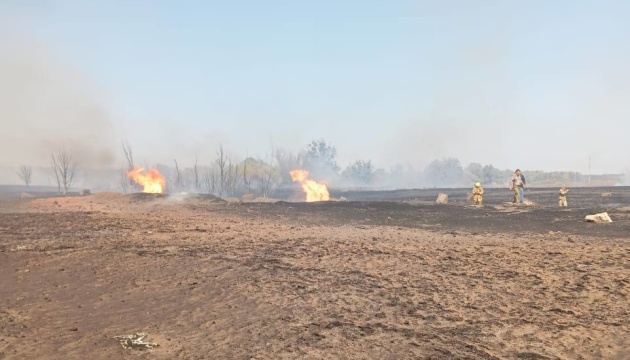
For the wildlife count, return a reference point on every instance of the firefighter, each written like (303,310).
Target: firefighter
(563,196)
(517,185)
(478,194)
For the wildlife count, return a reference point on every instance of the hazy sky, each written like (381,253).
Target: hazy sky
(529,84)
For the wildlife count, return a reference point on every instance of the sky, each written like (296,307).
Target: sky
(528,84)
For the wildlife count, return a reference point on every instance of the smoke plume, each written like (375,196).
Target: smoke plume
(47,105)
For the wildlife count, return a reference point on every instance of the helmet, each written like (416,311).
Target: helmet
(477,184)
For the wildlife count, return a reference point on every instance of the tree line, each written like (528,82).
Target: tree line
(228,176)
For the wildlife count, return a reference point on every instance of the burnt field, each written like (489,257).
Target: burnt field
(487,219)
(587,197)
(394,279)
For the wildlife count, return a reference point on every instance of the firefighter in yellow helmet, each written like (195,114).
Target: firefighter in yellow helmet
(477,194)
(517,185)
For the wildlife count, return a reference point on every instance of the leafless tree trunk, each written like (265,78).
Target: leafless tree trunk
(25,172)
(267,176)
(246,181)
(232,173)
(210,180)
(64,168)
(266,181)
(196,174)
(222,163)
(231,178)
(235,178)
(126,182)
(128,155)
(178,176)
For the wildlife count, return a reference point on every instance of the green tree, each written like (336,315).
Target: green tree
(491,175)
(474,172)
(446,172)
(320,159)
(360,172)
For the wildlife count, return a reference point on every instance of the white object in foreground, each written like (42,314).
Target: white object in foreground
(135,341)
(601,218)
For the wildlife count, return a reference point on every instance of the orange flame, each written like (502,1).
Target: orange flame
(152,181)
(315,191)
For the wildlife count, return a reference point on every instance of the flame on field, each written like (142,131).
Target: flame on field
(152,181)
(315,191)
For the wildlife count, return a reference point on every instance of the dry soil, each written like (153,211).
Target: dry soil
(208,279)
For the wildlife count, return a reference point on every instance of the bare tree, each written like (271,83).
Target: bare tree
(195,170)
(231,184)
(25,172)
(222,164)
(64,168)
(246,181)
(287,161)
(235,177)
(210,180)
(126,182)
(266,180)
(178,176)
(128,155)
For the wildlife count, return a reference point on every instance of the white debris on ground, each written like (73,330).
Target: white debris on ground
(601,218)
(135,341)
(442,199)
(526,202)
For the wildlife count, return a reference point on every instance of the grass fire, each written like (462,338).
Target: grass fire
(152,181)
(313,190)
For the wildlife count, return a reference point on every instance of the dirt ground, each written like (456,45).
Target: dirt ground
(208,279)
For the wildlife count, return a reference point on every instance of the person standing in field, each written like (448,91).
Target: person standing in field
(478,194)
(516,184)
(563,196)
